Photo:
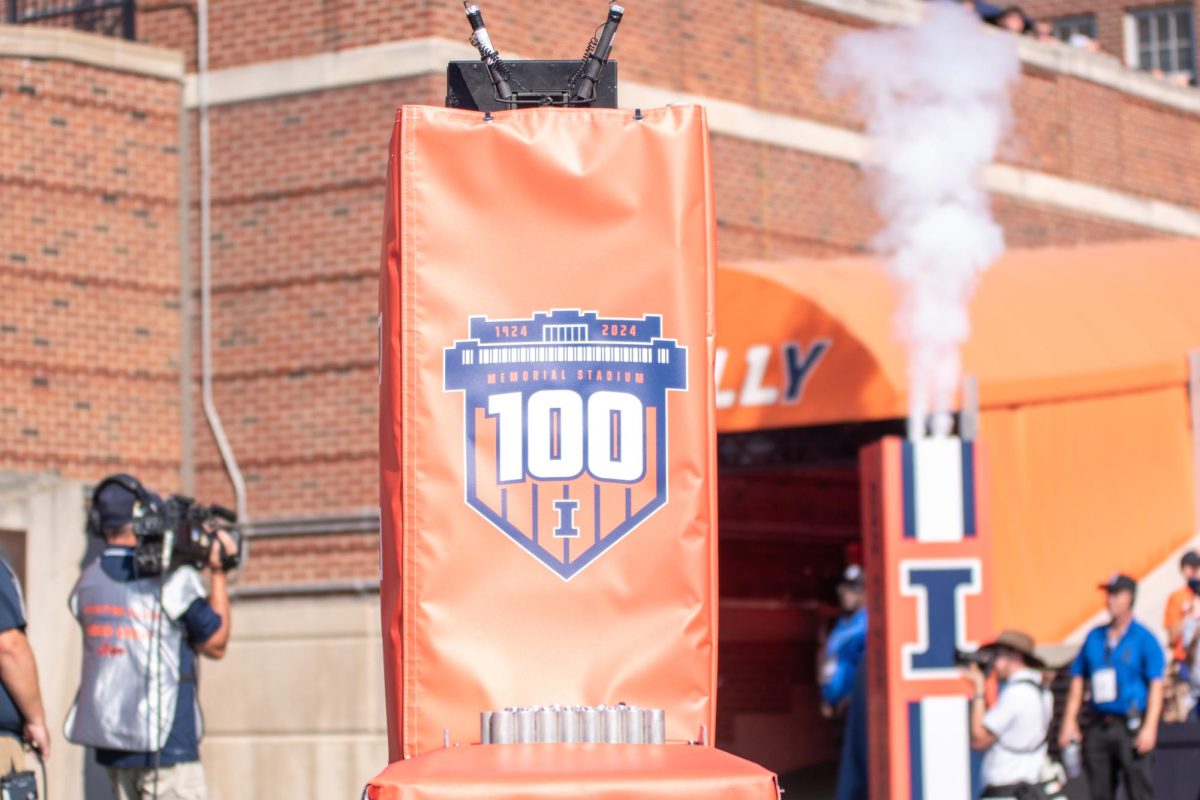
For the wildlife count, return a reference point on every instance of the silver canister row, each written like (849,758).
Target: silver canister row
(619,724)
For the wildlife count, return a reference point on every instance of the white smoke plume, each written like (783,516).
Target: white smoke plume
(935,98)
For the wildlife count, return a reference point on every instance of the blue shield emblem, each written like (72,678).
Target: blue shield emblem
(566,428)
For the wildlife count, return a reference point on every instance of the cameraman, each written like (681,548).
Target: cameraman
(141,638)
(1013,732)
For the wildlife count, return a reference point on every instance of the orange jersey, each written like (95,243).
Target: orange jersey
(1178,604)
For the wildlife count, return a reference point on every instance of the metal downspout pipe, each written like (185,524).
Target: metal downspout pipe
(206,357)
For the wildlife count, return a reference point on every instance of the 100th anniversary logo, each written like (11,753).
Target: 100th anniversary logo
(566,427)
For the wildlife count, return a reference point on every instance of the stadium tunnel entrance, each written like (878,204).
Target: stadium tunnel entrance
(1084,411)
(789,512)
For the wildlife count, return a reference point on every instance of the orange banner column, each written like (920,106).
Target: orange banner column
(927,564)
(547,426)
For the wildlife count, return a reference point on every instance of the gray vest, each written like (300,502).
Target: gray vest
(131,651)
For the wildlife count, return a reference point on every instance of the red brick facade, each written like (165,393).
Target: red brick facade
(90,321)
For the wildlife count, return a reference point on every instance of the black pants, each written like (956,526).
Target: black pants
(1108,753)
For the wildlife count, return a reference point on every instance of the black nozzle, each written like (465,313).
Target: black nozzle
(487,52)
(585,87)
(473,14)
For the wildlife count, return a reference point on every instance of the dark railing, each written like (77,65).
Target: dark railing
(106,17)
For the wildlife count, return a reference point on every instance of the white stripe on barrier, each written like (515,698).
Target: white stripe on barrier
(945,748)
(938,487)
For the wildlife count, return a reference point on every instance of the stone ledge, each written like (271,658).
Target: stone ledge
(105,52)
(375,63)
(411,58)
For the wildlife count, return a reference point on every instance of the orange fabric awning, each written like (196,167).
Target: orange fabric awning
(1048,324)
(1081,360)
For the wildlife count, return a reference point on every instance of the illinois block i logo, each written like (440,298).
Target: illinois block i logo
(565,428)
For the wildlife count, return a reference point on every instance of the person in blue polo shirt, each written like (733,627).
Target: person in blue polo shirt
(1122,664)
(846,643)
(843,683)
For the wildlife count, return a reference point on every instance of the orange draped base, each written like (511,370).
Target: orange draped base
(588,771)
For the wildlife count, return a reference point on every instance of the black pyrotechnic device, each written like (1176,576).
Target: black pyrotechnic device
(595,58)
(497,69)
(493,84)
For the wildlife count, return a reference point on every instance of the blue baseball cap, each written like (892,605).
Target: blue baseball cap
(1120,583)
(115,505)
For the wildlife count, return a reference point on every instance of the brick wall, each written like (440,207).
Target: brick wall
(297,221)
(312,559)
(89,271)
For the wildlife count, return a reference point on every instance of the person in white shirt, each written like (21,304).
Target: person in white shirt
(1013,732)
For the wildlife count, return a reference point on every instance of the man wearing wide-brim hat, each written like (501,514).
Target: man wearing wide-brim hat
(1012,732)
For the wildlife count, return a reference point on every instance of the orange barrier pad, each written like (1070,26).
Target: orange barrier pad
(592,771)
(544,263)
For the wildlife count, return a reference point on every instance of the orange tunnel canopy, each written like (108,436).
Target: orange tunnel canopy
(1081,360)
